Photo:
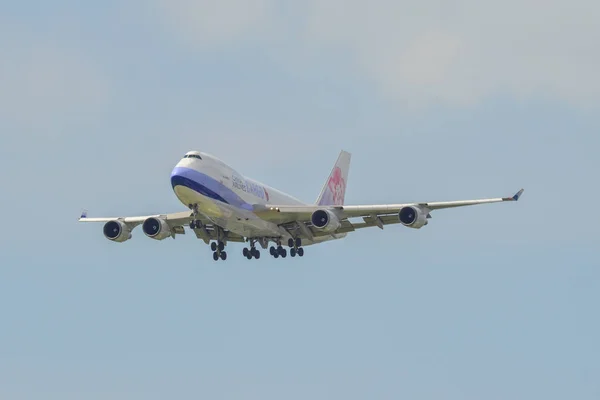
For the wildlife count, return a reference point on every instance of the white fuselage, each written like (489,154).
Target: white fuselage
(226,197)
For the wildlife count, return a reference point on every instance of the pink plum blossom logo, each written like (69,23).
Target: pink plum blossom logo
(337,186)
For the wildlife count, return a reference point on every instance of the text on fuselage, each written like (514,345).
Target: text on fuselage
(247,186)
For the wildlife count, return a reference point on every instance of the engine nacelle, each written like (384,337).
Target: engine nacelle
(156,228)
(325,220)
(412,217)
(117,231)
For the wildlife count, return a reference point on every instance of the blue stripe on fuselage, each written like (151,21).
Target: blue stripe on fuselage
(206,186)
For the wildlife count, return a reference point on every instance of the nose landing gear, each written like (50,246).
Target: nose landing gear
(218,247)
(195,223)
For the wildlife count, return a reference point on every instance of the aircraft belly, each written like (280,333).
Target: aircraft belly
(241,222)
(244,223)
(206,205)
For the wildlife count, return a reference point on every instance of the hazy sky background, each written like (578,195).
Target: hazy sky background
(435,101)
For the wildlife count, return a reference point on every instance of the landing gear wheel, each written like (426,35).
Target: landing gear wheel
(293,252)
(245,252)
(213,246)
(273,251)
(298,242)
(283,253)
(290,242)
(192,225)
(221,246)
(224,255)
(257,254)
(216,256)
(300,252)
(276,255)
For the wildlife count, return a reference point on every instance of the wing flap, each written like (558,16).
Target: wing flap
(208,233)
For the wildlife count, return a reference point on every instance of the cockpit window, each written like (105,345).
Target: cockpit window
(193,156)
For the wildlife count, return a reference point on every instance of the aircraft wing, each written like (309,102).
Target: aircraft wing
(297,219)
(372,215)
(176,221)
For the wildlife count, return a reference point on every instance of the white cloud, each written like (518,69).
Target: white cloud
(43,84)
(210,22)
(467,50)
(426,52)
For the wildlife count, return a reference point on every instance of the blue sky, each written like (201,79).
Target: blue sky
(435,102)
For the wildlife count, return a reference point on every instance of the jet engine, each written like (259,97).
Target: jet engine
(325,220)
(412,217)
(156,228)
(117,231)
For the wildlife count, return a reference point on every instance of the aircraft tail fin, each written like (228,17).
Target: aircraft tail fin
(334,189)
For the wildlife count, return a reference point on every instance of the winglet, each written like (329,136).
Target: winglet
(518,195)
(84,214)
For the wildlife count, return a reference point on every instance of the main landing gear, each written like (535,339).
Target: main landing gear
(278,251)
(293,244)
(251,252)
(218,249)
(295,248)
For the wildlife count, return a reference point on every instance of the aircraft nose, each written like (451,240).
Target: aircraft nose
(183,163)
(177,176)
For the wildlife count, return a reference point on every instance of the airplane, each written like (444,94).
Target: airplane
(224,206)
